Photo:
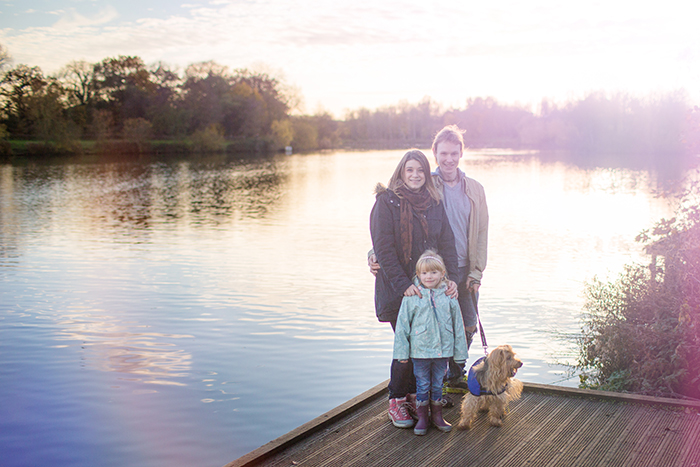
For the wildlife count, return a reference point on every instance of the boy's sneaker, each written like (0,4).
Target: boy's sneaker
(456,386)
(446,401)
(398,413)
(411,406)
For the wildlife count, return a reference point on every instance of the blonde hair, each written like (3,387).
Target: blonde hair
(451,134)
(396,179)
(431,261)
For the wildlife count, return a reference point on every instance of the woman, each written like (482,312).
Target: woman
(407,219)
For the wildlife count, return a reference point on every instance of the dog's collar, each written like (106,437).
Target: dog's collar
(475,387)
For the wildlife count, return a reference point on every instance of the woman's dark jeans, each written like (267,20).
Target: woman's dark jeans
(402,380)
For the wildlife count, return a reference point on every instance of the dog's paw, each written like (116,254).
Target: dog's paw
(495,421)
(464,425)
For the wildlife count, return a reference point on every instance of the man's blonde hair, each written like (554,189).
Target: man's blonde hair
(450,134)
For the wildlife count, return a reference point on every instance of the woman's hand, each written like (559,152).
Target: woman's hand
(411,291)
(452,289)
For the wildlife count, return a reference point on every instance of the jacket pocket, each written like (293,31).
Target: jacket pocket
(447,329)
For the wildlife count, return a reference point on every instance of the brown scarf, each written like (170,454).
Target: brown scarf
(413,203)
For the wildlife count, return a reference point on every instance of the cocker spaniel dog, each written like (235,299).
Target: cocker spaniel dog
(492,385)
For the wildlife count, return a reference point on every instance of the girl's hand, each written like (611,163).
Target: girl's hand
(411,291)
(451,289)
(403,361)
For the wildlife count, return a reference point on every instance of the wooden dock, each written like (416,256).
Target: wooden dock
(548,426)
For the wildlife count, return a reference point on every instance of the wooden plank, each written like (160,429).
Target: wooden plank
(549,425)
(306,429)
(611,396)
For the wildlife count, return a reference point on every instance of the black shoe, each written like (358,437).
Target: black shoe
(446,401)
(458,385)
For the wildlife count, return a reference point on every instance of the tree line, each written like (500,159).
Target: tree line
(209,107)
(123,99)
(651,129)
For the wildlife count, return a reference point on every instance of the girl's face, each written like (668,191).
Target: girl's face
(431,279)
(413,175)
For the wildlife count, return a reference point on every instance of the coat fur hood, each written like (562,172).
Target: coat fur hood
(379,189)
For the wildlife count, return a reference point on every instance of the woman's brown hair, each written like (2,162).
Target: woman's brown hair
(396,179)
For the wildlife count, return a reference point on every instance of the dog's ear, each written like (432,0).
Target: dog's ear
(497,357)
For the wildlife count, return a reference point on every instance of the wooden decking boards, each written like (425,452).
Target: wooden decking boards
(548,426)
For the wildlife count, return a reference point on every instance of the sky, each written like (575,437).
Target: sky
(343,55)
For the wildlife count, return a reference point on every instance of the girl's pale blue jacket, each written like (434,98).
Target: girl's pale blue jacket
(430,327)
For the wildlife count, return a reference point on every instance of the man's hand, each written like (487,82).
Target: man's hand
(373,264)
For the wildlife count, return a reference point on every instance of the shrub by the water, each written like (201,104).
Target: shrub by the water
(641,333)
(5,150)
(210,139)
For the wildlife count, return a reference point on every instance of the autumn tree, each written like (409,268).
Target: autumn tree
(163,107)
(205,95)
(124,86)
(5,57)
(244,104)
(19,89)
(78,79)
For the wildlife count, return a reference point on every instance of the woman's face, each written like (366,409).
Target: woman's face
(413,175)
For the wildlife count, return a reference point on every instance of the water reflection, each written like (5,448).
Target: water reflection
(136,196)
(108,345)
(9,222)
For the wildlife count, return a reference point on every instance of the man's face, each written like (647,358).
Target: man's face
(447,155)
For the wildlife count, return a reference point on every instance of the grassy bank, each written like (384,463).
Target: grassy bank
(27,149)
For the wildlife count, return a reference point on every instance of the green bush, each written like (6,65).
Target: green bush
(210,139)
(249,146)
(641,333)
(5,150)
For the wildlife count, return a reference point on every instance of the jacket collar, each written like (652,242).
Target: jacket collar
(442,287)
(461,175)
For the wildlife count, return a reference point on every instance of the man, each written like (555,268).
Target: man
(465,204)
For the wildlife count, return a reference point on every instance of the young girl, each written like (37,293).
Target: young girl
(429,330)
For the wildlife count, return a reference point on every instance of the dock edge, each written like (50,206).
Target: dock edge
(267,450)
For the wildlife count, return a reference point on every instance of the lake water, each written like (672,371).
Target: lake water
(184,313)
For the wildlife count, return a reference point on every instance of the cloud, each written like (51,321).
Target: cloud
(392,49)
(71,19)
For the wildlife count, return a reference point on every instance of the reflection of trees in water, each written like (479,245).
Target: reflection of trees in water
(9,227)
(248,190)
(139,195)
(190,192)
(112,346)
(198,194)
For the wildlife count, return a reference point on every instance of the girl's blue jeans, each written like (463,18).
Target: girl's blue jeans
(430,373)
